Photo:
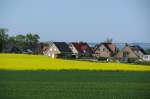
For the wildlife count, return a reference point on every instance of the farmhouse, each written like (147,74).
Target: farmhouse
(130,53)
(104,50)
(80,49)
(58,50)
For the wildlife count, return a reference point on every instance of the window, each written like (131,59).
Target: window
(145,56)
(103,49)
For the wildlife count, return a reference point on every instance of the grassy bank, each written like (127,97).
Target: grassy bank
(34,62)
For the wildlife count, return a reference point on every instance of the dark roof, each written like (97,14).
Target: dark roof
(11,48)
(62,46)
(138,48)
(106,45)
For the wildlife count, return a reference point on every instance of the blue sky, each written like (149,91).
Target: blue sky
(78,20)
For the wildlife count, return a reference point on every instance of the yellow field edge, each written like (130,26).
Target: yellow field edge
(37,62)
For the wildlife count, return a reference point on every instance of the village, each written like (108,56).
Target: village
(75,49)
(105,51)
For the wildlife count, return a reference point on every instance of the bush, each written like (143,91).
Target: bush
(102,58)
(143,62)
(148,51)
(132,60)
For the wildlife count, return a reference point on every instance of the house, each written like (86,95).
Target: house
(104,50)
(11,48)
(134,52)
(34,49)
(80,49)
(139,51)
(58,50)
(14,48)
(146,57)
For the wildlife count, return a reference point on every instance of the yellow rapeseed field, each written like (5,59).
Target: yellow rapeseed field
(37,62)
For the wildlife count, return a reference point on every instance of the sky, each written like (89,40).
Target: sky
(78,20)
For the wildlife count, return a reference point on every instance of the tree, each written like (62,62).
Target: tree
(25,40)
(11,40)
(32,39)
(148,51)
(20,40)
(3,38)
(36,38)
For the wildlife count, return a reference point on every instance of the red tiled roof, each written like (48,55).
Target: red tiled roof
(80,46)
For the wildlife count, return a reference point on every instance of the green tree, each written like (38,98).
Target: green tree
(3,38)
(32,39)
(11,40)
(36,38)
(25,40)
(148,51)
(20,40)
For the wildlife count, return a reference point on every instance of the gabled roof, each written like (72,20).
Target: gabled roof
(138,48)
(62,46)
(81,46)
(126,49)
(110,46)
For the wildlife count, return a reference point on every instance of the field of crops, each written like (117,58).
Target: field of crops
(74,85)
(37,77)
(34,62)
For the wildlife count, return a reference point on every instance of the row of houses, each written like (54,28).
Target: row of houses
(12,48)
(105,50)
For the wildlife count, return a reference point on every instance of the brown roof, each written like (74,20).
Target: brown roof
(110,46)
(81,46)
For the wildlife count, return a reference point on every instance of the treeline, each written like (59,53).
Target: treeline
(29,39)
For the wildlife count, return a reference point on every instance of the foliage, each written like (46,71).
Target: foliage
(143,63)
(20,40)
(132,60)
(102,58)
(3,38)
(26,40)
(32,39)
(34,62)
(148,51)
(11,40)
(74,85)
